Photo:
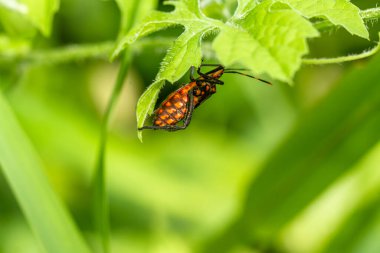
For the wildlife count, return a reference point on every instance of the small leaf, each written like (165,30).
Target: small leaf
(338,12)
(145,105)
(41,12)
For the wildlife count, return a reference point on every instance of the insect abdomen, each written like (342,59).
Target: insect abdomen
(173,110)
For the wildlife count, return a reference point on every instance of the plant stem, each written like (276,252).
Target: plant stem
(78,53)
(343,58)
(101,205)
(59,55)
(370,14)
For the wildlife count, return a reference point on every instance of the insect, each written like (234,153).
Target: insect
(180,104)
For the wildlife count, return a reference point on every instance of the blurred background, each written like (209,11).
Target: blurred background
(180,191)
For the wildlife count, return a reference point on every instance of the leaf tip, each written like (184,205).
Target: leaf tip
(365,35)
(139,135)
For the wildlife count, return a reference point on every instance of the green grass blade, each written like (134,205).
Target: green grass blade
(24,172)
(356,233)
(100,201)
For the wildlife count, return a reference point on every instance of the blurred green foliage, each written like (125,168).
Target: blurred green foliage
(260,168)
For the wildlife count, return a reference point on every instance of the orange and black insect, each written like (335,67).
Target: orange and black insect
(180,104)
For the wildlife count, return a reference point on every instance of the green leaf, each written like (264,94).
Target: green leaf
(236,46)
(39,12)
(185,52)
(338,12)
(146,103)
(244,6)
(16,24)
(279,41)
(23,171)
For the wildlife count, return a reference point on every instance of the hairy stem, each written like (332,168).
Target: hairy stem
(59,55)
(78,53)
(370,14)
(343,58)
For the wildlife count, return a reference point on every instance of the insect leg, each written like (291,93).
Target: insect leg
(208,78)
(149,127)
(211,71)
(215,80)
(192,72)
(167,128)
(210,65)
(190,109)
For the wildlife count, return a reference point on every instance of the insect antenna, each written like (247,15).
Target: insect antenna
(235,71)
